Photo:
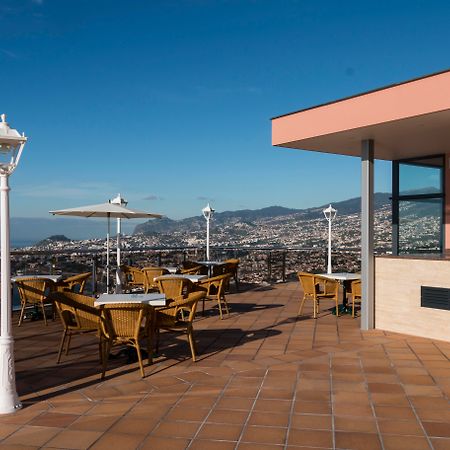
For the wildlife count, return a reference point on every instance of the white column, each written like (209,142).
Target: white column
(119,236)
(367,238)
(329,246)
(107,254)
(118,289)
(9,400)
(207,239)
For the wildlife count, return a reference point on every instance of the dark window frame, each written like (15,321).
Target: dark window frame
(397,197)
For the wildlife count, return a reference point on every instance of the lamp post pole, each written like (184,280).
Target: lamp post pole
(330,214)
(11,146)
(207,213)
(122,202)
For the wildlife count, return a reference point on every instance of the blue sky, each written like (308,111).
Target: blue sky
(169,102)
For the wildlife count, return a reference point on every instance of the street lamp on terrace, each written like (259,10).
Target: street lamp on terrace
(330,214)
(11,147)
(207,213)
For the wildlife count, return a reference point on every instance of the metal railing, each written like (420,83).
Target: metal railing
(257,264)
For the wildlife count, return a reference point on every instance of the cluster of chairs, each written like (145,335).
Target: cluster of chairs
(125,323)
(215,286)
(317,288)
(34,291)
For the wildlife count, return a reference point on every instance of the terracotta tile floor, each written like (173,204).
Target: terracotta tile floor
(265,379)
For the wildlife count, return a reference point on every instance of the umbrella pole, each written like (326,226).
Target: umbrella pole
(107,254)
(119,235)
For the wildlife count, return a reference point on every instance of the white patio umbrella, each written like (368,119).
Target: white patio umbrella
(107,210)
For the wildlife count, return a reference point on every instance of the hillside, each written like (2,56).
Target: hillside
(250,216)
(272,226)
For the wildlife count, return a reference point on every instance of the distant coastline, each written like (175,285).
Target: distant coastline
(22,243)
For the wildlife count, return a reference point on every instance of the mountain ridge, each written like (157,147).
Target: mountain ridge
(344,207)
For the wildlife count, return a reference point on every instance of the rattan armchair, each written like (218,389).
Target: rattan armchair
(215,290)
(231,267)
(175,286)
(75,283)
(195,270)
(171,318)
(355,294)
(78,315)
(34,292)
(133,277)
(126,324)
(311,291)
(150,273)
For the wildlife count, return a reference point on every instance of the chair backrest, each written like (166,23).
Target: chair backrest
(125,320)
(77,311)
(195,270)
(134,276)
(34,290)
(174,287)
(307,280)
(150,273)
(356,288)
(331,287)
(74,282)
(189,264)
(169,315)
(219,269)
(232,265)
(216,285)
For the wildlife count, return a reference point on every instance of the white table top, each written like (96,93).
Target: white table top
(151,299)
(211,263)
(341,276)
(193,278)
(54,278)
(171,269)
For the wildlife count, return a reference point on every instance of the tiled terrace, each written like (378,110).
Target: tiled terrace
(265,380)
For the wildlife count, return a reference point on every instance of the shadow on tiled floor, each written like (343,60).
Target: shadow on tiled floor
(265,379)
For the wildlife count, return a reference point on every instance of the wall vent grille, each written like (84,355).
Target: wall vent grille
(434,297)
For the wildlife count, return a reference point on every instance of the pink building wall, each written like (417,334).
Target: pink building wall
(447,204)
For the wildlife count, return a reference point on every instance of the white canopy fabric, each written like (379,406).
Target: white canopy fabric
(106,210)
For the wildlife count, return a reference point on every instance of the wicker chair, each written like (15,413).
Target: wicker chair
(78,315)
(355,294)
(193,268)
(171,318)
(214,289)
(150,273)
(311,291)
(75,283)
(126,324)
(33,292)
(133,277)
(231,267)
(175,287)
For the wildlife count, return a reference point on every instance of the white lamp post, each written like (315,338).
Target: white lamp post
(207,213)
(122,202)
(11,147)
(330,214)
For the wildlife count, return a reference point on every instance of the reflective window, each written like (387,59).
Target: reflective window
(415,179)
(418,201)
(420,223)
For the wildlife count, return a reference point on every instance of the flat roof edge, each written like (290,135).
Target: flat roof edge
(390,86)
